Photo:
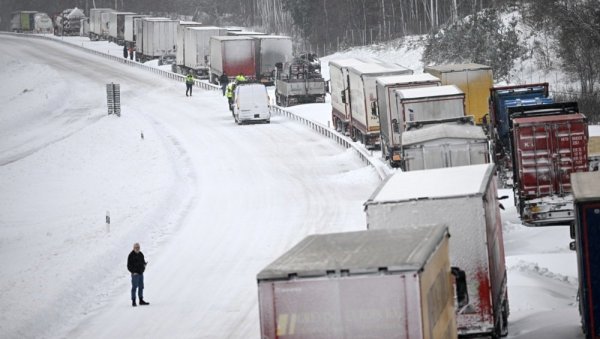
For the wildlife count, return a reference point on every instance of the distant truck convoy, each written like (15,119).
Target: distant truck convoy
(367,284)
(474,80)
(585,231)
(466,199)
(31,22)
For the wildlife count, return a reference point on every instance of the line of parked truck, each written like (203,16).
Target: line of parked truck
(205,51)
(403,277)
(452,115)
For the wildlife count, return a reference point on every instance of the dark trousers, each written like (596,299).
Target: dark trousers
(188,89)
(224,87)
(137,283)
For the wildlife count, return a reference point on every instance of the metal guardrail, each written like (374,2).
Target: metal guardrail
(323,130)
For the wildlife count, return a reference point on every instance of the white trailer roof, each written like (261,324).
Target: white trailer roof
(204,28)
(229,37)
(586,186)
(433,184)
(457,67)
(185,23)
(405,79)
(347,62)
(398,250)
(274,37)
(426,92)
(442,131)
(378,68)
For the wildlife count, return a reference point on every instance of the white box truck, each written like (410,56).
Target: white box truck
(340,92)
(444,145)
(232,55)
(271,50)
(369,284)
(181,46)
(99,18)
(194,55)
(159,37)
(129,28)
(386,104)
(363,96)
(116,27)
(466,199)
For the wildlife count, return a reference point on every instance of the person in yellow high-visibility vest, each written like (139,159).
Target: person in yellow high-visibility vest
(229,94)
(189,83)
(240,78)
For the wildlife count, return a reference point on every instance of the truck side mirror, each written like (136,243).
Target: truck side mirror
(374,108)
(343,96)
(460,282)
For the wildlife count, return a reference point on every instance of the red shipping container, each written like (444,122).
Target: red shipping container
(546,150)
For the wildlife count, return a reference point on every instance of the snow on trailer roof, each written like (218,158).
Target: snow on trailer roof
(205,28)
(186,23)
(406,78)
(231,37)
(274,36)
(157,19)
(347,62)
(433,184)
(440,131)
(360,252)
(426,92)
(379,68)
(586,186)
(457,67)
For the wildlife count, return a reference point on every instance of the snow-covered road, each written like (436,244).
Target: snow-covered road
(210,202)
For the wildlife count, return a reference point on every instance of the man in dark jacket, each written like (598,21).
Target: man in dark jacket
(136,266)
(224,81)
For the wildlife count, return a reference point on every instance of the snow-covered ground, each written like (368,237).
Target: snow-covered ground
(211,203)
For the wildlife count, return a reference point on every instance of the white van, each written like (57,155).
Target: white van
(251,103)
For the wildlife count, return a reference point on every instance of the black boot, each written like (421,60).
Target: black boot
(133,303)
(142,302)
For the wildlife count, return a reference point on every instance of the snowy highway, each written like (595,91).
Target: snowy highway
(211,202)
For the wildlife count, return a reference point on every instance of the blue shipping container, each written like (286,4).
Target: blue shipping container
(586,194)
